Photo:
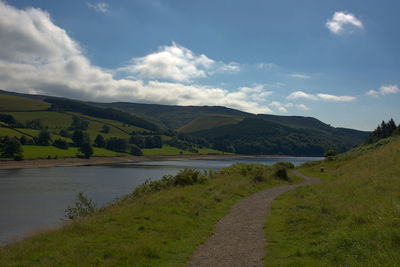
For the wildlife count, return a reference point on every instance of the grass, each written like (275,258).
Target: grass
(160,228)
(351,219)
(16,103)
(165,151)
(42,152)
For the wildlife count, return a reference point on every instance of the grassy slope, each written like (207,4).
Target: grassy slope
(353,218)
(153,229)
(15,103)
(209,122)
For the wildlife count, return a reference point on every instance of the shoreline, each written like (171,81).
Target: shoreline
(65,162)
(47,163)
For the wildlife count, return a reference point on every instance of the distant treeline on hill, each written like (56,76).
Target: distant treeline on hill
(58,104)
(384,130)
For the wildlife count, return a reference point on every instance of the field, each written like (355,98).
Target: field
(159,228)
(43,152)
(15,103)
(351,219)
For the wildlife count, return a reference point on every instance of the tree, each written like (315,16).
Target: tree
(105,129)
(99,141)
(79,137)
(44,138)
(149,142)
(116,144)
(135,150)
(330,153)
(11,147)
(79,124)
(157,141)
(60,143)
(137,140)
(86,149)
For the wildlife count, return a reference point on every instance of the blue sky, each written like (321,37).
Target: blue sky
(337,61)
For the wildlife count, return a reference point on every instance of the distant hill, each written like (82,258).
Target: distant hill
(223,128)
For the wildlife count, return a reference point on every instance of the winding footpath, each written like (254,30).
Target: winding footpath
(238,238)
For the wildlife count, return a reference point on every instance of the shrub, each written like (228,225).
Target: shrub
(280,172)
(83,207)
(287,165)
(188,177)
(60,143)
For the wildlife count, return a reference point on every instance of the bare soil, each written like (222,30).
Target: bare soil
(238,238)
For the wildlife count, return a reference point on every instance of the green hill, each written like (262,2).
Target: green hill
(216,127)
(351,219)
(208,122)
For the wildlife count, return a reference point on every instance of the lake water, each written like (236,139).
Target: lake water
(33,200)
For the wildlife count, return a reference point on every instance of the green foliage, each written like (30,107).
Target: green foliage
(83,206)
(86,149)
(106,113)
(330,153)
(384,130)
(135,150)
(79,137)
(34,124)
(99,141)
(78,124)
(116,144)
(60,143)
(105,129)
(9,119)
(44,138)
(280,172)
(10,147)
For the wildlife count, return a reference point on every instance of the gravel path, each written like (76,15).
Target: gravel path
(238,238)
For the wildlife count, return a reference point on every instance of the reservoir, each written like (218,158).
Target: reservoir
(33,200)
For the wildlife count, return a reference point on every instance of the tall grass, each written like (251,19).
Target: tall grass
(351,219)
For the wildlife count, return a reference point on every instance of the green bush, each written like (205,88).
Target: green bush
(280,172)
(287,165)
(83,207)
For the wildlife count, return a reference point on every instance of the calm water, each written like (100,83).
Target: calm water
(32,200)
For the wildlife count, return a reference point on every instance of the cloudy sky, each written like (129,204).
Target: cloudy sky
(338,61)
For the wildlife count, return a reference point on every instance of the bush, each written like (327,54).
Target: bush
(330,153)
(280,172)
(135,150)
(83,207)
(188,177)
(287,165)
(60,143)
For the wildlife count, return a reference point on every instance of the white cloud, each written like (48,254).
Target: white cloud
(325,97)
(302,107)
(299,76)
(37,56)
(301,94)
(384,90)
(266,65)
(335,98)
(389,89)
(372,93)
(101,7)
(177,63)
(342,22)
(278,106)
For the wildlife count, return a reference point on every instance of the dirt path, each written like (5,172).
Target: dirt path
(238,238)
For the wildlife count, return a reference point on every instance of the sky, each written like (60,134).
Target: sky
(337,61)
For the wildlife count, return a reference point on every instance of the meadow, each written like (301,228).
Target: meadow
(351,219)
